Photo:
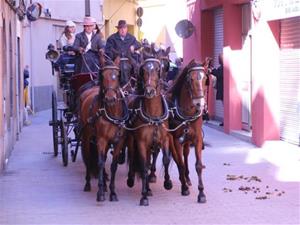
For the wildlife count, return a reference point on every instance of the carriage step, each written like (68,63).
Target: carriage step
(61,106)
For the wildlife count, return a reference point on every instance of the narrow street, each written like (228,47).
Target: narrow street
(243,185)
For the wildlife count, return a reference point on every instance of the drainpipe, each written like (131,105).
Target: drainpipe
(31,69)
(87,8)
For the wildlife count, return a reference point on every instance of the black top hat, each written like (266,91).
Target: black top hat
(121,24)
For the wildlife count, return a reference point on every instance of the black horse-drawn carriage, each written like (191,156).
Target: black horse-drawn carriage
(64,122)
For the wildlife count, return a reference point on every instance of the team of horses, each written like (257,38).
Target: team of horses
(133,110)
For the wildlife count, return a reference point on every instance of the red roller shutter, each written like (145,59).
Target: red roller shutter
(290,80)
(218,48)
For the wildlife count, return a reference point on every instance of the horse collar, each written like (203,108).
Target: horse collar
(154,120)
(184,117)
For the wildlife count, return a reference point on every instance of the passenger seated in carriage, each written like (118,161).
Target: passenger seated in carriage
(87,46)
(67,37)
(66,61)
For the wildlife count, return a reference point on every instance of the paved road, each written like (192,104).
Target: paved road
(37,189)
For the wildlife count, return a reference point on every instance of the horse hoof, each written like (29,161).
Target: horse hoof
(113,198)
(149,192)
(152,178)
(100,198)
(87,188)
(185,191)
(144,202)
(168,184)
(130,182)
(201,198)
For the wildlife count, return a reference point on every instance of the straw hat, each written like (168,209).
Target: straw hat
(88,20)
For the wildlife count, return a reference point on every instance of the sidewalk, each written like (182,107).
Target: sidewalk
(37,189)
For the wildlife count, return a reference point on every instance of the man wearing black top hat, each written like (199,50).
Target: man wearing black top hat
(121,41)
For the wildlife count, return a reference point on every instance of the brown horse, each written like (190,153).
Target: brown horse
(103,112)
(186,124)
(149,126)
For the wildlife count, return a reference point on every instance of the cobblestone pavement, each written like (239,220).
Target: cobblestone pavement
(36,189)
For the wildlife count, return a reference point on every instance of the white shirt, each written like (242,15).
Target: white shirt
(89,37)
(65,41)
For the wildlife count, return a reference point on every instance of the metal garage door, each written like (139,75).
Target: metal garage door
(218,48)
(290,80)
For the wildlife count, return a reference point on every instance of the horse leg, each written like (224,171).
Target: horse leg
(199,167)
(180,164)
(186,151)
(166,161)
(86,158)
(144,174)
(101,181)
(131,146)
(122,156)
(152,176)
(113,168)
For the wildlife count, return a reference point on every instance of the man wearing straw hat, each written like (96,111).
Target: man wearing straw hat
(88,44)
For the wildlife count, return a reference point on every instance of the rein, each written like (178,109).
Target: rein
(92,74)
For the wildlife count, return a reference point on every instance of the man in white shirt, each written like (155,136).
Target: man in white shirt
(87,45)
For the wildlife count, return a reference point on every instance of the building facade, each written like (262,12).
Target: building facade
(260,44)
(11,79)
(115,10)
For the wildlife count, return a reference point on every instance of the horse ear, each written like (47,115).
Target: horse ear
(102,58)
(154,53)
(191,62)
(117,61)
(168,50)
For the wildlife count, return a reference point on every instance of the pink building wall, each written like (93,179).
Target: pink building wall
(265,65)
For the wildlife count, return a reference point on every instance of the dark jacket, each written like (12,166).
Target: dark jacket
(219,86)
(90,62)
(26,76)
(114,41)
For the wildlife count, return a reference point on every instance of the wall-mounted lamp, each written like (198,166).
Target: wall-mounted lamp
(47,13)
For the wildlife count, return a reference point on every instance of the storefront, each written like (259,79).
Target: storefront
(260,45)
(290,79)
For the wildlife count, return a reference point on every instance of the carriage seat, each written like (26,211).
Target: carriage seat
(66,64)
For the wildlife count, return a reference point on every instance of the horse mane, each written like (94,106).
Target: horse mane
(179,81)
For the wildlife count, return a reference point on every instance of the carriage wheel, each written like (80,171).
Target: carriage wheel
(64,143)
(54,124)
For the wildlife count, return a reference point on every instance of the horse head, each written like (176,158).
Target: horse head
(196,79)
(150,77)
(109,80)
